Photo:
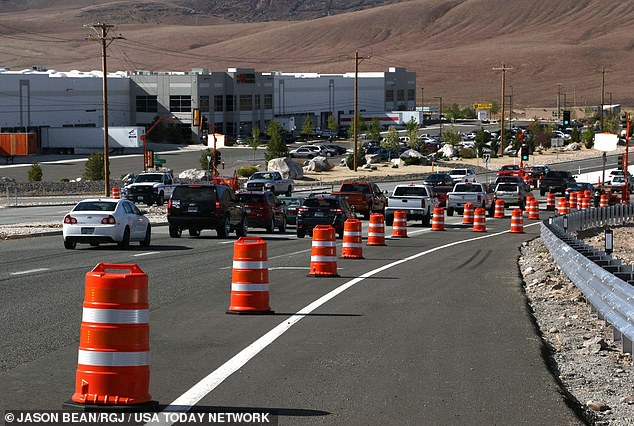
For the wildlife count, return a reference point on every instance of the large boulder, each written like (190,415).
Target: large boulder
(286,167)
(411,153)
(193,174)
(318,164)
(372,158)
(447,151)
(572,147)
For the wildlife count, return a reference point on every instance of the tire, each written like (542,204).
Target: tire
(69,244)
(145,242)
(193,232)
(301,234)
(224,228)
(271,226)
(242,230)
(282,227)
(389,220)
(125,242)
(175,232)
(160,200)
(450,211)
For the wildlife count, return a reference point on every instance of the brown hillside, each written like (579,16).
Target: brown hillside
(451,44)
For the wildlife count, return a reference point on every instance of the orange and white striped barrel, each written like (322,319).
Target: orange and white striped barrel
(587,193)
(533,210)
(479,220)
(250,277)
(438,219)
(115,192)
(399,226)
(113,366)
(572,200)
(586,203)
(323,257)
(467,214)
(376,230)
(352,247)
(579,200)
(499,209)
(604,200)
(517,222)
(562,206)
(527,202)
(550,201)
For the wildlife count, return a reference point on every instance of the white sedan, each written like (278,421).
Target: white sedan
(105,220)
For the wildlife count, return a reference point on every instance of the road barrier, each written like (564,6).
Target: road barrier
(606,282)
(533,210)
(399,226)
(586,203)
(115,192)
(438,219)
(604,200)
(517,222)
(527,202)
(479,220)
(563,206)
(572,200)
(113,365)
(499,209)
(376,230)
(467,214)
(250,277)
(550,201)
(352,240)
(323,258)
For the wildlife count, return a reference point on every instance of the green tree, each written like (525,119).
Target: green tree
(255,140)
(482,138)
(451,136)
(391,141)
(206,164)
(35,173)
(94,169)
(495,108)
(276,147)
(360,158)
(412,133)
(332,123)
(374,130)
(307,127)
(587,137)
(611,124)
(468,113)
(361,127)
(540,134)
(575,136)
(453,112)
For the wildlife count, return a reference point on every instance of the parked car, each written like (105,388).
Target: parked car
(463,175)
(97,221)
(291,205)
(513,194)
(340,150)
(381,152)
(323,210)
(269,180)
(307,151)
(196,207)
(437,179)
(264,210)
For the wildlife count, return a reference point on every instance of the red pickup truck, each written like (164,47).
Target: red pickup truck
(511,170)
(365,197)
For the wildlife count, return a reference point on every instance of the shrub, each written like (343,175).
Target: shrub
(467,153)
(35,173)
(94,169)
(412,161)
(247,171)
(360,159)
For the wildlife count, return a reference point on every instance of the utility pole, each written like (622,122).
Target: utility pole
(602,96)
(558,101)
(504,69)
(356,107)
(101,31)
(422,101)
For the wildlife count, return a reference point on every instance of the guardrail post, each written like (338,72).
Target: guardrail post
(627,345)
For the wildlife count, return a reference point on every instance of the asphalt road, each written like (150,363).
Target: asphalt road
(432,329)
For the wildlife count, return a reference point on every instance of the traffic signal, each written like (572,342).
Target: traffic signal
(524,152)
(150,159)
(566,117)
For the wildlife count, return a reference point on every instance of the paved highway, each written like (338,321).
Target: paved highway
(432,329)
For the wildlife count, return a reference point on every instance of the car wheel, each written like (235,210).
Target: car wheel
(69,244)
(160,200)
(193,232)
(301,234)
(271,226)
(175,232)
(282,227)
(242,229)
(224,228)
(145,242)
(125,242)
(450,211)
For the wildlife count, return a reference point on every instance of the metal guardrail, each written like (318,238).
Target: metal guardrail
(607,283)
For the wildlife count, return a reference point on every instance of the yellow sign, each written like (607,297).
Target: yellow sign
(482,106)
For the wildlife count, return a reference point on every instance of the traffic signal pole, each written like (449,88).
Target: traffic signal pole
(626,188)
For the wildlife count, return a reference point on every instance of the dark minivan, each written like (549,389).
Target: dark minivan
(205,206)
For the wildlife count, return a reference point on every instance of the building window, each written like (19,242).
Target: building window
(258,105)
(203,103)
(229,102)
(219,127)
(411,94)
(400,95)
(146,104)
(245,78)
(180,103)
(246,103)
(389,96)
(218,103)
(268,101)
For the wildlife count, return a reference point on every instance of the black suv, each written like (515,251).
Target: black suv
(555,181)
(205,206)
(322,210)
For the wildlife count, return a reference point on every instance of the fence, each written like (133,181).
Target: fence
(606,282)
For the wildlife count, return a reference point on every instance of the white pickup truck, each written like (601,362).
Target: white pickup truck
(150,188)
(475,193)
(418,201)
(269,181)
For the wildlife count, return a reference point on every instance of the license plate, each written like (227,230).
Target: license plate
(319,214)
(192,210)
(87,231)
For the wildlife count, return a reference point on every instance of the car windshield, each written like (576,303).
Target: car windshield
(353,187)
(96,206)
(262,175)
(251,198)
(149,178)
(458,172)
(322,203)
(416,191)
(290,201)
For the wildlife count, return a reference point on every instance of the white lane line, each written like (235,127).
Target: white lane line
(146,253)
(30,271)
(205,386)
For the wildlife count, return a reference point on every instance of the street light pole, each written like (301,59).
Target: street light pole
(440,116)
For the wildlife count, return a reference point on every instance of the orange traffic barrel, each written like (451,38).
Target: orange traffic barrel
(115,192)
(533,210)
(572,200)
(113,365)
(586,203)
(562,206)
(499,209)
(376,230)
(352,240)
(579,200)
(467,214)
(323,257)
(517,222)
(527,202)
(399,226)
(438,219)
(587,193)
(479,220)
(550,201)
(604,200)
(250,277)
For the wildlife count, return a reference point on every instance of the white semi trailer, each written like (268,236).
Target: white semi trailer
(86,140)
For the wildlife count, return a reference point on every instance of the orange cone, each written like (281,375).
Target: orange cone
(115,192)
(250,277)
(517,222)
(323,258)
(533,212)
(376,230)
(550,202)
(114,348)
(352,240)
(499,209)
(399,226)
(438,219)
(479,220)
(563,207)
(467,214)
